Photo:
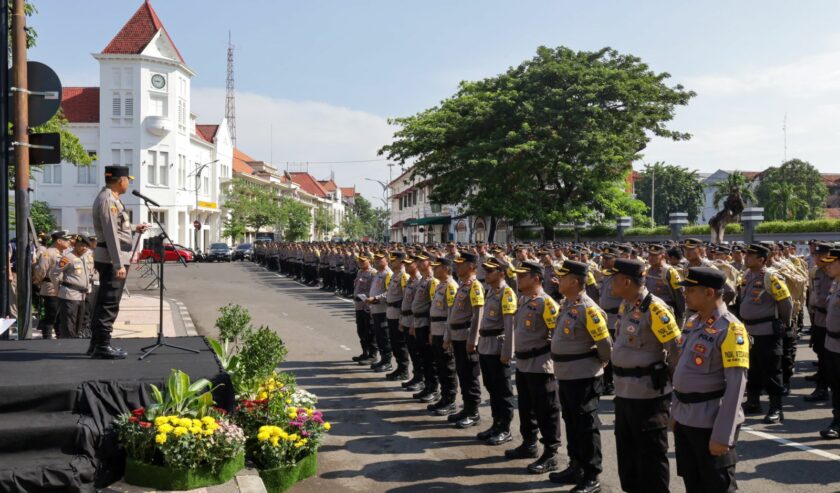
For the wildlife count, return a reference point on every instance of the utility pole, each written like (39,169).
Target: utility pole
(652,188)
(4,161)
(21,137)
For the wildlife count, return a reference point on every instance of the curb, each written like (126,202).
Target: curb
(186,319)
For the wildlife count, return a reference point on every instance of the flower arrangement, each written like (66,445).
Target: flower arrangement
(297,435)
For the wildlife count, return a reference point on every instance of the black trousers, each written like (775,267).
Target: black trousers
(539,408)
(818,343)
(71,315)
(788,355)
(427,358)
(497,380)
(641,441)
(367,339)
(413,353)
(608,370)
(399,346)
(701,471)
(107,305)
(579,403)
(765,371)
(468,369)
(445,365)
(832,373)
(47,324)
(380,329)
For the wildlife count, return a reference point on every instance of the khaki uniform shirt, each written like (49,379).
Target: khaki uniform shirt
(378,290)
(73,276)
(41,275)
(536,317)
(581,329)
(361,285)
(832,319)
(406,314)
(760,302)
(442,301)
(422,301)
(113,230)
(499,311)
(469,302)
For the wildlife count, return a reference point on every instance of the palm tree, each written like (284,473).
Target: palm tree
(735,180)
(785,202)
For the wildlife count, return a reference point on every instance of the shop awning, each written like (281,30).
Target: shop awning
(434,220)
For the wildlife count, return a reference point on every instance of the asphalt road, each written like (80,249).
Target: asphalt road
(383,441)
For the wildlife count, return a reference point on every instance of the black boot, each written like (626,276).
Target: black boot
(819,394)
(446,407)
(429,395)
(524,451)
(415,386)
(398,374)
(360,357)
(484,435)
(414,381)
(370,360)
(108,352)
(569,475)
(588,485)
(832,432)
(546,463)
(775,414)
(502,435)
(454,418)
(471,419)
(752,406)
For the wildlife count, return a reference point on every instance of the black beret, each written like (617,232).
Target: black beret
(704,276)
(832,256)
(118,172)
(572,267)
(397,256)
(692,243)
(629,267)
(492,265)
(822,247)
(532,267)
(466,257)
(758,249)
(656,249)
(442,261)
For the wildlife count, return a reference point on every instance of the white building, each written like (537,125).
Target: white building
(140,117)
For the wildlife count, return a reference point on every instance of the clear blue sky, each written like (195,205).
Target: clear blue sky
(321,77)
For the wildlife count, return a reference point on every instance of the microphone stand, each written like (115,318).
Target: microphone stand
(161,342)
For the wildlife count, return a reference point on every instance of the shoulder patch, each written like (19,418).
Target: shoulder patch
(508,302)
(433,287)
(476,294)
(550,312)
(662,323)
(590,279)
(778,288)
(451,291)
(735,349)
(674,279)
(596,323)
(388,280)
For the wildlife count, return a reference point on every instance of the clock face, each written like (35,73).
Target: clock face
(158,81)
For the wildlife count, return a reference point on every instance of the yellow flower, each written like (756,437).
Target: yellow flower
(309,412)
(179,431)
(288,401)
(160,438)
(276,431)
(161,420)
(262,396)
(298,444)
(293,437)
(165,428)
(304,441)
(262,436)
(263,428)
(208,432)
(293,410)
(207,420)
(274,441)
(327,426)
(283,435)
(195,430)
(196,422)
(185,422)
(212,427)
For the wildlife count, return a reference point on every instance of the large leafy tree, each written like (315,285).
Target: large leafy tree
(324,222)
(296,218)
(548,141)
(675,189)
(793,190)
(735,181)
(250,205)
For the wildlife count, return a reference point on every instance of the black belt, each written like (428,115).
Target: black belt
(533,353)
(756,321)
(631,372)
(565,358)
(71,286)
(833,335)
(461,326)
(697,397)
(396,304)
(406,313)
(491,332)
(421,315)
(612,311)
(437,319)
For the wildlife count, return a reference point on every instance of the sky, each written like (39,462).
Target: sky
(317,80)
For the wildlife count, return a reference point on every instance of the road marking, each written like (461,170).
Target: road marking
(308,327)
(344,347)
(284,314)
(789,443)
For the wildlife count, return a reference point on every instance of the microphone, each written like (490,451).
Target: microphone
(147,199)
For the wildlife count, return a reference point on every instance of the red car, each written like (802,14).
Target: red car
(171,254)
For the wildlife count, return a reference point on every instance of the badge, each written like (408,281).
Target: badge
(756,300)
(712,330)
(114,210)
(440,304)
(637,315)
(596,319)
(631,329)
(710,321)
(699,348)
(566,330)
(574,311)
(698,360)
(689,324)
(740,340)
(492,313)
(665,319)
(527,323)
(630,339)
(552,310)
(533,304)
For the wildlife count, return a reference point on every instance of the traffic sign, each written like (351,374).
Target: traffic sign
(44,93)
(197,224)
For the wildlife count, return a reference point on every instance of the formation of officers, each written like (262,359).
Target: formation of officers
(677,332)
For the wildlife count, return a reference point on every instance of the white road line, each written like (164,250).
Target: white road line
(788,443)
(284,314)
(344,347)
(308,327)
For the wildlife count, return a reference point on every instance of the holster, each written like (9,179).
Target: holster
(659,375)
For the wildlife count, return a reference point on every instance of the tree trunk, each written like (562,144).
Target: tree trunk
(548,233)
(491,234)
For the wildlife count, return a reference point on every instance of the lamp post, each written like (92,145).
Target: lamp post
(197,173)
(385,200)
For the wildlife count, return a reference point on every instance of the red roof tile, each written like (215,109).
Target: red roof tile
(830,179)
(308,183)
(80,104)
(240,162)
(138,32)
(328,185)
(206,132)
(348,192)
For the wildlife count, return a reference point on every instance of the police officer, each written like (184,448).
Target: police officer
(765,309)
(73,275)
(393,298)
(361,289)
(831,355)
(495,351)
(420,330)
(378,308)
(536,386)
(48,287)
(709,380)
(817,305)
(608,302)
(580,348)
(462,334)
(111,258)
(663,281)
(645,348)
(442,301)
(407,324)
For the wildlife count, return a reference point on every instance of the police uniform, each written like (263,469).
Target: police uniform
(442,301)
(406,324)
(766,312)
(817,305)
(48,287)
(74,279)
(580,348)
(646,345)
(394,298)
(663,281)
(420,308)
(609,303)
(367,339)
(378,307)
(831,355)
(494,343)
(709,380)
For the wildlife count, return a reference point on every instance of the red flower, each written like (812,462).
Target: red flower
(145,424)
(139,411)
(220,411)
(134,419)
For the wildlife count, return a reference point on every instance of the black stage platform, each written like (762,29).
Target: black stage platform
(56,405)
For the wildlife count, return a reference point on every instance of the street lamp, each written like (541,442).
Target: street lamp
(197,173)
(385,201)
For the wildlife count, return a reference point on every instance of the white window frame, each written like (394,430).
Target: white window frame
(151,168)
(163,168)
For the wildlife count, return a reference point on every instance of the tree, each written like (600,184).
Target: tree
(547,141)
(675,189)
(795,179)
(233,228)
(42,218)
(250,205)
(324,222)
(735,180)
(296,218)
(351,227)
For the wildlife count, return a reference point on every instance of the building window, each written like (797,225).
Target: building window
(205,188)
(56,213)
(157,105)
(51,174)
(151,168)
(128,160)
(85,221)
(436,208)
(86,175)
(122,105)
(182,171)
(182,115)
(116,105)
(159,216)
(163,169)
(129,105)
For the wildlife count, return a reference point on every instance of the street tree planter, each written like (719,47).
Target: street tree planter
(169,478)
(280,479)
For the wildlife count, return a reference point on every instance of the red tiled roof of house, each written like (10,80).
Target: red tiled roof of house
(832,213)
(138,32)
(329,185)
(80,104)
(240,162)
(830,179)
(206,132)
(348,192)
(309,184)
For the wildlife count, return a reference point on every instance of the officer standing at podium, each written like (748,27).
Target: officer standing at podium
(111,259)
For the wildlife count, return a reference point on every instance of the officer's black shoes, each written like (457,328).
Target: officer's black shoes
(546,463)
(385,367)
(414,380)
(427,395)
(484,435)
(570,475)
(448,409)
(108,352)
(396,375)
(524,451)
(832,432)
(468,421)
(454,418)
(370,360)
(820,394)
(359,357)
(812,377)
(587,486)
(774,415)
(414,387)
(90,348)
(499,438)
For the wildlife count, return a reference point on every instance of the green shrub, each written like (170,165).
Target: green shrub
(657,231)
(564,233)
(233,324)
(704,229)
(599,231)
(816,226)
(262,351)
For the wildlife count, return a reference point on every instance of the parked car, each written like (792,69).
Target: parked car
(218,251)
(195,255)
(170,254)
(243,251)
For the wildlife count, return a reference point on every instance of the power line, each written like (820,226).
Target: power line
(360,161)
